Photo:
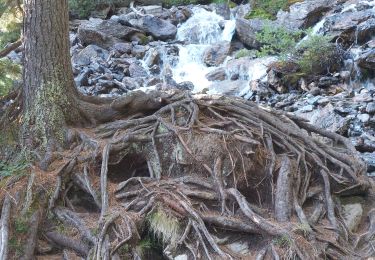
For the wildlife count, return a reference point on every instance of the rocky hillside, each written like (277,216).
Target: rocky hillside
(314,59)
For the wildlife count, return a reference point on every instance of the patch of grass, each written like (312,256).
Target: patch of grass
(267,9)
(283,241)
(164,226)
(21,226)
(245,53)
(276,40)
(15,168)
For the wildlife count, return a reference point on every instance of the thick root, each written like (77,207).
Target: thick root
(190,177)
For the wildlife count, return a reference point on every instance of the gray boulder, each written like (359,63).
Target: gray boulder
(104,33)
(88,55)
(351,27)
(246,31)
(216,75)
(216,54)
(156,27)
(367,60)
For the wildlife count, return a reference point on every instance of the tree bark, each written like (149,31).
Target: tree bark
(48,78)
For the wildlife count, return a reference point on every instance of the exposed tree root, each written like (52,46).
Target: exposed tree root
(189,177)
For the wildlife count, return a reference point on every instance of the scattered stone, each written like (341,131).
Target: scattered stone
(352,215)
(89,54)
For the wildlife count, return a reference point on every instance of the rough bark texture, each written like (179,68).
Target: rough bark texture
(48,78)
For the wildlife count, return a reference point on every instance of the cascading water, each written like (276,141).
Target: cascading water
(198,33)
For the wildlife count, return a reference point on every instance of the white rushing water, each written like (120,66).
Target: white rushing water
(199,32)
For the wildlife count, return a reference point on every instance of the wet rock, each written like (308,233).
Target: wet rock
(137,71)
(367,60)
(370,160)
(364,118)
(370,108)
(249,69)
(216,75)
(352,214)
(327,81)
(104,33)
(139,51)
(89,54)
(246,31)
(216,54)
(158,28)
(152,57)
(180,14)
(221,9)
(351,26)
(186,85)
(304,14)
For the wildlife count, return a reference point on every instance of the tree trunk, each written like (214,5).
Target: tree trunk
(48,79)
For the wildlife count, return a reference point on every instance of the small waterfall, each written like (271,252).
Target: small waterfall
(199,32)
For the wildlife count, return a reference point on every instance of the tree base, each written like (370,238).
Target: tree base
(199,176)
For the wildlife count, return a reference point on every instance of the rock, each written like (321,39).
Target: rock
(326,118)
(123,47)
(221,9)
(304,14)
(216,54)
(239,247)
(246,31)
(249,69)
(370,108)
(137,71)
(242,10)
(345,75)
(351,27)
(352,214)
(83,77)
(158,28)
(186,85)
(153,10)
(130,83)
(327,81)
(228,87)
(152,57)
(307,108)
(216,75)
(180,14)
(369,158)
(364,118)
(89,54)
(104,33)
(181,257)
(139,51)
(367,60)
